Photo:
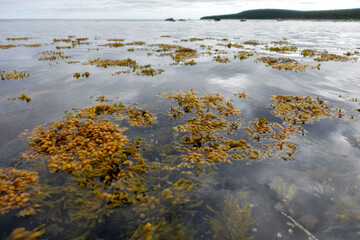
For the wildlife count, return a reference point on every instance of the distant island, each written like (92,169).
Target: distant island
(342,14)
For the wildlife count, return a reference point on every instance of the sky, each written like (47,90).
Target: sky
(152,9)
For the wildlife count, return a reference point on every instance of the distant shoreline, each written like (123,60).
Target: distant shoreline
(162,20)
(272,14)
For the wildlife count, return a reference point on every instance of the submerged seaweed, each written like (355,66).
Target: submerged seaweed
(232,222)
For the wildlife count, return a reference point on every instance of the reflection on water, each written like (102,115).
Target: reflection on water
(145,137)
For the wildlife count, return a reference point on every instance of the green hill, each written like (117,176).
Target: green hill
(343,14)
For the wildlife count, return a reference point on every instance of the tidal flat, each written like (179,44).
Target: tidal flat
(179,130)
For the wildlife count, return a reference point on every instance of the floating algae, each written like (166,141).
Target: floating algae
(182,54)
(53,56)
(243,55)
(78,145)
(192,62)
(7,46)
(351,53)
(100,157)
(287,64)
(136,43)
(176,52)
(196,39)
(308,52)
(102,99)
(241,95)
(104,63)
(264,129)
(13,186)
(204,143)
(165,47)
(21,233)
(18,39)
(62,40)
(298,109)
(63,47)
(115,39)
(252,42)
(112,45)
(73,62)
(24,97)
(136,116)
(325,56)
(283,49)
(220,59)
(234,45)
(121,72)
(14,75)
(281,42)
(32,45)
(276,136)
(78,75)
(150,72)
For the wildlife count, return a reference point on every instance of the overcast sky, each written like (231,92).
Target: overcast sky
(153,9)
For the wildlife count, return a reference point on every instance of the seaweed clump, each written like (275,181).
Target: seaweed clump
(24,97)
(113,63)
(52,56)
(252,42)
(220,59)
(18,39)
(276,135)
(78,75)
(136,116)
(298,109)
(242,55)
(13,186)
(241,95)
(136,43)
(67,40)
(182,54)
(283,49)
(308,52)
(325,56)
(96,152)
(14,75)
(63,47)
(150,72)
(7,46)
(165,47)
(112,45)
(204,143)
(102,99)
(32,45)
(287,64)
(191,62)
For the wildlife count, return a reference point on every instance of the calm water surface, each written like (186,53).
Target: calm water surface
(315,195)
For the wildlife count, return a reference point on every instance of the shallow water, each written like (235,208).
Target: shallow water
(313,195)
